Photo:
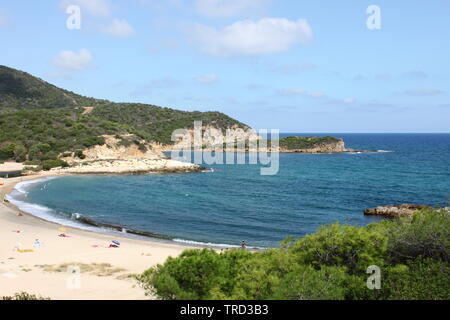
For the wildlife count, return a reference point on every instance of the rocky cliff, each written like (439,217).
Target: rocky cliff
(115,156)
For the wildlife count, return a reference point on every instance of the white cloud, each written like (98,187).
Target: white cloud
(4,18)
(416,74)
(68,61)
(227,8)
(250,38)
(207,78)
(292,68)
(315,94)
(292,92)
(158,84)
(383,76)
(301,92)
(423,92)
(118,28)
(349,100)
(97,8)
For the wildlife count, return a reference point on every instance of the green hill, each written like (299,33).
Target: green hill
(39,121)
(155,123)
(20,90)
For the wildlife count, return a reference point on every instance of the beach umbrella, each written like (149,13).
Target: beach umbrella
(116,242)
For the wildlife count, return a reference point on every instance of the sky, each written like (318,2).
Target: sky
(297,66)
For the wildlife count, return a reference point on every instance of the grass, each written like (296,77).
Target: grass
(98,269)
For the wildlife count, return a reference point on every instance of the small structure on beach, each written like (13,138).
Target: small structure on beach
(11,169)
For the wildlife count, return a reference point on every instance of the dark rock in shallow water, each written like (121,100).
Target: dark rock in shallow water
(93,223)
(395,211)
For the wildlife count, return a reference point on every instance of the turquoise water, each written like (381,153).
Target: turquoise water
(235,203)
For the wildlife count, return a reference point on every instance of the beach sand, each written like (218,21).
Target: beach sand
(105,272)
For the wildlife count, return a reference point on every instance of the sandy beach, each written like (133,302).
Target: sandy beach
(47,268)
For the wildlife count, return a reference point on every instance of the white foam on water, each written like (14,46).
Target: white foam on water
(23,186)
(19,194)
(214,245)
(205,243)
(210,244)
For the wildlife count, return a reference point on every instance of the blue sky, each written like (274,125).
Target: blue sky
(297,66)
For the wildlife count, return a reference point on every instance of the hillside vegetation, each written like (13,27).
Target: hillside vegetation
(156,123)
(295,143)
(412,254)
(20,90)
(39,121)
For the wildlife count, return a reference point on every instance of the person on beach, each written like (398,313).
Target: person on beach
(243,245)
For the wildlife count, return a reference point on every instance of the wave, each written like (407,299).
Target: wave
(23,186)
(214,245)
(364,152)
(47,214)
(209,244)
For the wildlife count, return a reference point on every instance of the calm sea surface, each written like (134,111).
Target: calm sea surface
(235,203)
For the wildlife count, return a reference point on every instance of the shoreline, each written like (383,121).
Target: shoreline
(85,224)
(20,271)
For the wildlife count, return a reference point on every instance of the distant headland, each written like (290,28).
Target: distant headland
(48,128)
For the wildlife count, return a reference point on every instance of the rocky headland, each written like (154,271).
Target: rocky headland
(397,210)
(115,157)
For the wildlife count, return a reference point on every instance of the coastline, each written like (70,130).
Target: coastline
(85,224)
(23,271)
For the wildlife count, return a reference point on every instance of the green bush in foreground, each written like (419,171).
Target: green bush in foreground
(412,254)
(338,245)
(195,274)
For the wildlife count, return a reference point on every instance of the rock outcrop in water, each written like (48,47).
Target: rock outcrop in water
(395,211)
(311,145)
(295,144)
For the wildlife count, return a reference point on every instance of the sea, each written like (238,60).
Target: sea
(229,203)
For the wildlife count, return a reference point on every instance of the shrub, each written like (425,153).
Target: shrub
(80,154)
(7,152)
(38,151)
(426,235)
(24,296)
(424,279)
(338,245)
(142,147)
(329,264)
(307,283)
(32,163)
(276,275)
(195,274)
(49,164)
(20,153)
